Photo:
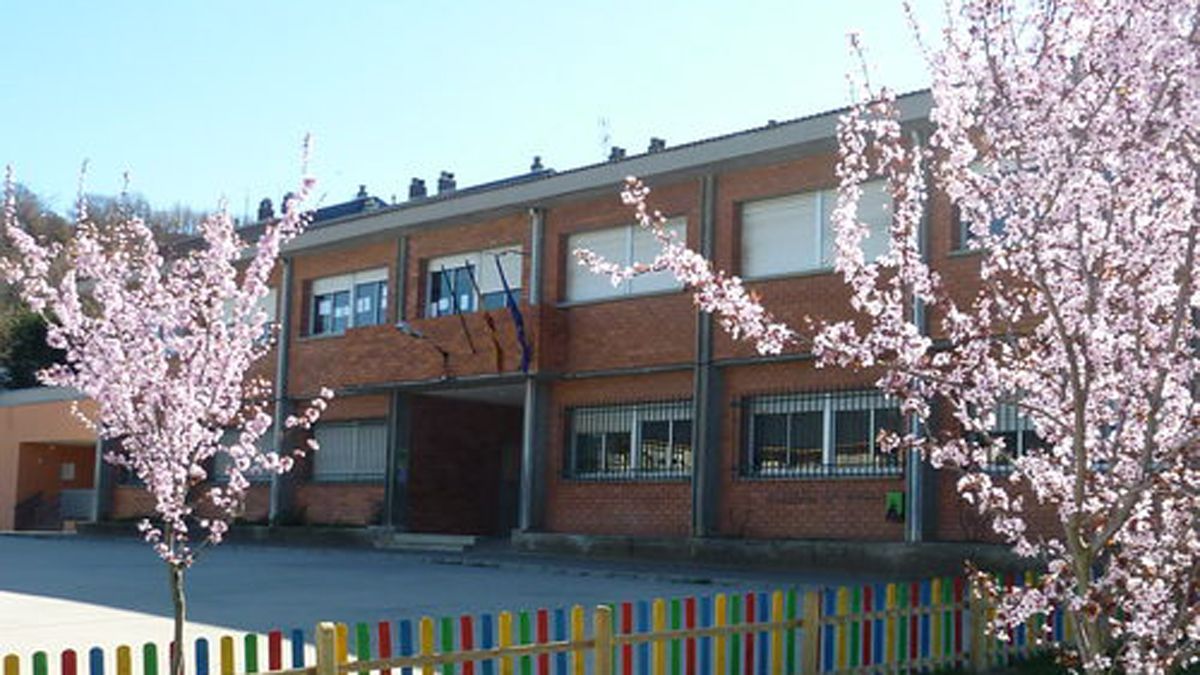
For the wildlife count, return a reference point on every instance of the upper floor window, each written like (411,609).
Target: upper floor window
(468,282)
(819,433)
(348,301)
(1017,433)
(645,440)
(795,233)
(622,245)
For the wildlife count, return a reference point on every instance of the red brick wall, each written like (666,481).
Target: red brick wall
(339,503)
(642,508)
(839,507)
(462,455)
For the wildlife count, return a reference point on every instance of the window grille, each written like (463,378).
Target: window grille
(815,434)
(643,441)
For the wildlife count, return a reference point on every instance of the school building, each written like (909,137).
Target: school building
(586,408)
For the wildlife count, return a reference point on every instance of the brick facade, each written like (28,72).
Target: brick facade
(459,457)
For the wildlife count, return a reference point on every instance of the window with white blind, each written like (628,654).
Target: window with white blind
(623,245)
(348,301)
(468,282)
(795,233)
(350,451)
(255,474)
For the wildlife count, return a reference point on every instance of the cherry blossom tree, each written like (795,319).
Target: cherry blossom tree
(1067,135)
(163,343)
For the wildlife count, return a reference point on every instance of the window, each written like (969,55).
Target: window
(966,238)
(623,245)
(648,440)
(468,282)
(353,451)
(820,433)
(1017,433)
(796,234)
(349,301)
(222,460)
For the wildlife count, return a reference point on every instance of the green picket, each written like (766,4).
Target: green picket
(447,642)
(250,643)
(790,636)
(149,659)
(676,645)
(40,666)
(526,638)
(362,644)
(735,640)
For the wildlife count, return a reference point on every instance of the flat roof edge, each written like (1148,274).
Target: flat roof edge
(18,397)
(913,107)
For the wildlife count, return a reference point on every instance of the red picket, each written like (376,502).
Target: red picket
(385,644)
(627,628)
(868,625)
(275,650)
(543,636)
(958,615)
(748,638)
(68,662)
(689,618)
(466,640)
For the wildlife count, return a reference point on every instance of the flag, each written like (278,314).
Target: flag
(518,320)
(489,322)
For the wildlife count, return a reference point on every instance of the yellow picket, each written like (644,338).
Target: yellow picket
(124,660)
(504,628)
(577,635)
(777,634)
(721,641)
(658,665)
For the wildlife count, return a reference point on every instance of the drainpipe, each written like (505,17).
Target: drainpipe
(706,417)
(281,485)
(533,438)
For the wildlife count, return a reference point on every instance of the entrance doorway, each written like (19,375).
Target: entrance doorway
(464,461)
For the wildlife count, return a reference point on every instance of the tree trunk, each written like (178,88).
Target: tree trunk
(180,603)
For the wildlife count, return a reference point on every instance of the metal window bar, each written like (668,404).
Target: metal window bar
(641,441)
(829,433)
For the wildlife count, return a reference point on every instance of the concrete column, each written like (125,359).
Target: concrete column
(537,225)
(282,486)
(101,485)
(401,282)
(398,442)
(706,390)
(918,476)
(533,457)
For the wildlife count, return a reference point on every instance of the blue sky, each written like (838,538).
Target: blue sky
(204,100)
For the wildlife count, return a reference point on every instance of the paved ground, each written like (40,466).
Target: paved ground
(78,592)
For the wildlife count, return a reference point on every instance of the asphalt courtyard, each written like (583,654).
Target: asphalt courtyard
(79,592)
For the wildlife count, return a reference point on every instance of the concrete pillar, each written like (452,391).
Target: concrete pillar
(398,444)
(537,225)
(533,457)
(101,485)
(706,391)
(282,487)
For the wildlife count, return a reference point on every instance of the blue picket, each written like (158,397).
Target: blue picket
(202,656)
(828,604)
(643,626)
(297,648)
(406,643)
(487,641)
(95,661)
(560,635)
(706,621)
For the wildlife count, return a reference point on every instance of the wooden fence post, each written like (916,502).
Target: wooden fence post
(602,622)
(978,607)
(812,631)
(326,648)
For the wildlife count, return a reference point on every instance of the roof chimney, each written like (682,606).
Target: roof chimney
(362,192)
(616,154)
(266,210)
(416,189)
(657,145)
(445,182)
(537,164)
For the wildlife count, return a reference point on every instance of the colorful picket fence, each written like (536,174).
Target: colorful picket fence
(904,627)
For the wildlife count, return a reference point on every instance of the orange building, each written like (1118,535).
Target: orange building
(47,460)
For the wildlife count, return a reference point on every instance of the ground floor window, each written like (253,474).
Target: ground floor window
(350,451)
(633,441)
(819,433)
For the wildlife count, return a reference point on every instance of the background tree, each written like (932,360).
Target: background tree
(163,347)
(23,349)
(1067,134)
